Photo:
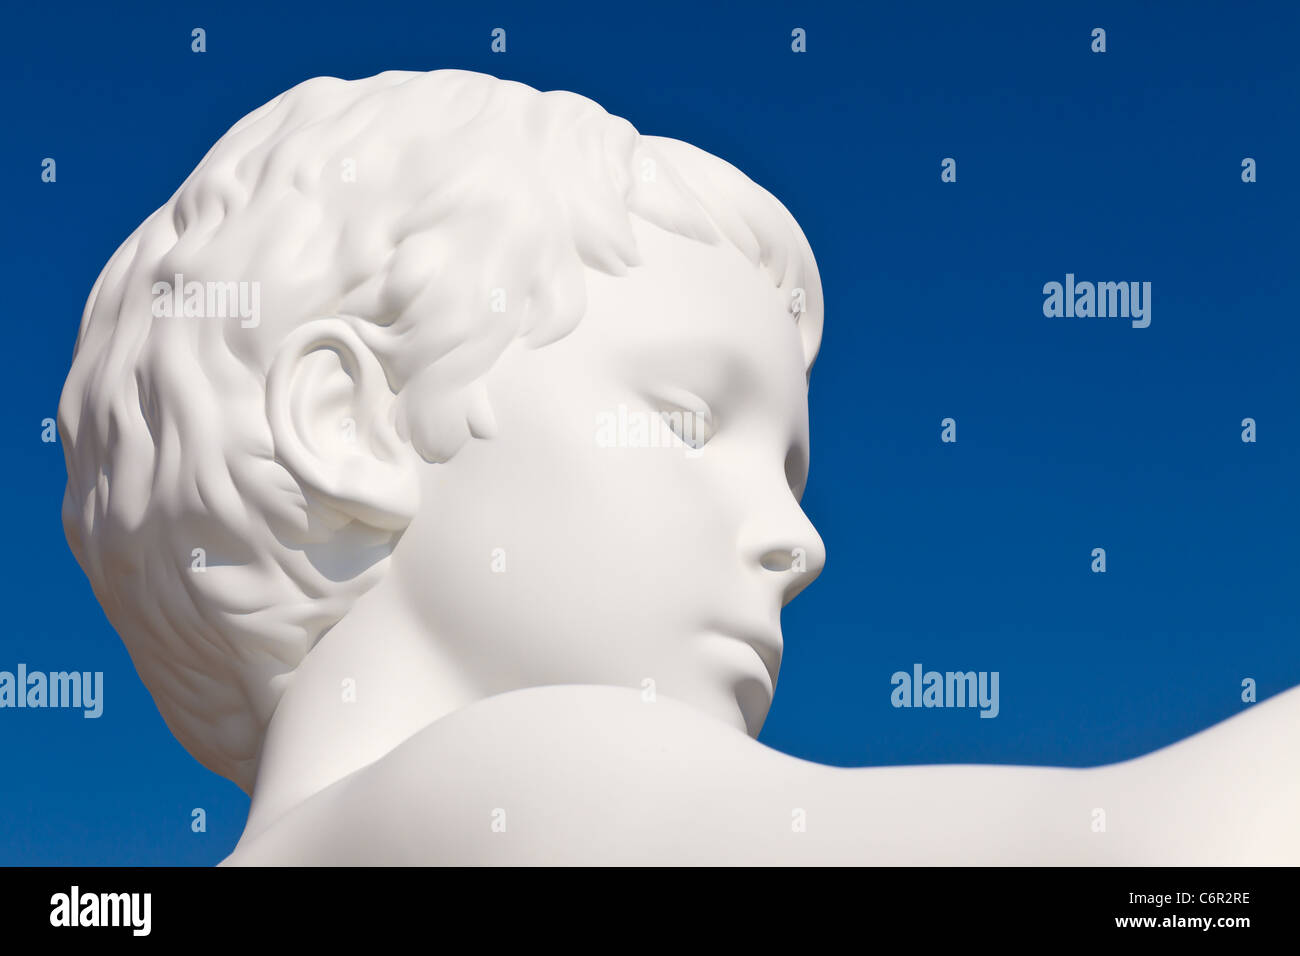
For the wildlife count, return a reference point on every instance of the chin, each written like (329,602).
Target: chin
(753,696)
(745,680)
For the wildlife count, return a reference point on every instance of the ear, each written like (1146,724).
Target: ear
(331,412)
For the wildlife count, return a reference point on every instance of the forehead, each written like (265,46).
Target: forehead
(700,311)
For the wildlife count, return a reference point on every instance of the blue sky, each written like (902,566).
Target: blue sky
(1072,433)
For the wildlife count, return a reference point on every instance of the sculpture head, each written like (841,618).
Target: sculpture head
(484,357)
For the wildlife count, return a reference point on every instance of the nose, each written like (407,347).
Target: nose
(786,547)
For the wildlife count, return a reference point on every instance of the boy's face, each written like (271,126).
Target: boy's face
(565,551)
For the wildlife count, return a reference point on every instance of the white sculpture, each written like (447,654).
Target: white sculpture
(436,450)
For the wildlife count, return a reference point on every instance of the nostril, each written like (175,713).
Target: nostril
(777,560)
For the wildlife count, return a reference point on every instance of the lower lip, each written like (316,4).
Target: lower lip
(732,640)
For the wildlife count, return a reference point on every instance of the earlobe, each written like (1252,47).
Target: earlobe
(331,412)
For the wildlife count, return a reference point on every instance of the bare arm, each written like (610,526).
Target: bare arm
(576,775)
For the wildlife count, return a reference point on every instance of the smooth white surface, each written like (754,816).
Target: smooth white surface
(443,620)
(594,775)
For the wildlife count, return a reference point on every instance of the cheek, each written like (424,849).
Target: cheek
(541,529)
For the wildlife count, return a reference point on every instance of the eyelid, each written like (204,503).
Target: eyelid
(680,399)
(686,406)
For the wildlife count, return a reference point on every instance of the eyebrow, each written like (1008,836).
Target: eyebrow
(739,374)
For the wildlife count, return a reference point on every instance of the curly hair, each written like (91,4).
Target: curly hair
(163,420)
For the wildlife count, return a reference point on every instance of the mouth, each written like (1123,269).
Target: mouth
(765,645)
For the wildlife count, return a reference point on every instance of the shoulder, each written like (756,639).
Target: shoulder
(544,775)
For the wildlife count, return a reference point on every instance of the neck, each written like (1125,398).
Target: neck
(375,679)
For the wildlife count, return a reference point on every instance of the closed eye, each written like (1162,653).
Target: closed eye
(690,420)
(693,428)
